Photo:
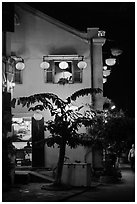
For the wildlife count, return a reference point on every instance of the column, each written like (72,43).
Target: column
(37,143)
(97,70)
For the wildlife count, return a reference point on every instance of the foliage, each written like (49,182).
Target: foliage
(113,129)
(65,124)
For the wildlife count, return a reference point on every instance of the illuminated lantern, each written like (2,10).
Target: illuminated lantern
(44,65)
(104,67)
(37,116)
(110,61)
(82,65)
(116,52)
(106,73)
(104,80)
(63,65)
(20,65)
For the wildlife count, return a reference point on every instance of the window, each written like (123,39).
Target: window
(17,76)
(71,74)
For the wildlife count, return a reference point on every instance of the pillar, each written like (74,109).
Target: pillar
(97,71)
(37,143)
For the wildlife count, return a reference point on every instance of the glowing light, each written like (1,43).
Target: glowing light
(37,116)
(104,80)
(104,67)
(44,65)
(20,66)
(63,65)
(82,65)
(113,107)
(110,61)
(106,73)
(116,52)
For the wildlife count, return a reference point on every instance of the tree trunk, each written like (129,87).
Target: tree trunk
(60,162)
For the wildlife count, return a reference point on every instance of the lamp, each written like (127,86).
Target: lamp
(44,65)
(116,52)
(17,61)
(37,116)
(20,65)
(104,80)
(113,107)
(63,65)
(104,67)
(110,61)
(82,65)
(106,73)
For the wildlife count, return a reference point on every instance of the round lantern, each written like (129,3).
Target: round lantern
(20,65)
(110,61)
(116,52)
(82,65)
(63,65)
(106,73)
(104,80)
(104,67)
(44,65)
(37,116)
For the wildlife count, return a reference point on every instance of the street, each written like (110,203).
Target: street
(123,192)
(118,192)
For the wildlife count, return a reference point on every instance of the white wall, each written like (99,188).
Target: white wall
(77,154)
(33,39)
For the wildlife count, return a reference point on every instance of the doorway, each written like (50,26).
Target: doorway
(22,140)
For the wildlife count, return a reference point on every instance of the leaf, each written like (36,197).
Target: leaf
(83,92)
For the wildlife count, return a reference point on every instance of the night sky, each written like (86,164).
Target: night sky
(118,20)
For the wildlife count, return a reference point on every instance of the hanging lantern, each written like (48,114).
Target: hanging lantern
(20,65)
(110,61)
(44,65)
(116,52)
(105,67)
(63,65)
(82,65)
(104,80)
(106,73)
(37,116)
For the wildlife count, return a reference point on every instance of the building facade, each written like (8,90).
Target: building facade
(72,61)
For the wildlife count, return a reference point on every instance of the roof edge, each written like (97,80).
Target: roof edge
(82,35)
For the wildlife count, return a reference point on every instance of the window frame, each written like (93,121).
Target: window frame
(52,66)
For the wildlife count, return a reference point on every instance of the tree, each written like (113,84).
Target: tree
(115,132)
(66,121)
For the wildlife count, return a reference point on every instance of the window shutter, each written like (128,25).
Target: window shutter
(77,73)
(48,73)
(17,77)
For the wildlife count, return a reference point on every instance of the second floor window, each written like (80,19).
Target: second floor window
(70,74)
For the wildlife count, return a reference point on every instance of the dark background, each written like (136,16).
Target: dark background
(118,20)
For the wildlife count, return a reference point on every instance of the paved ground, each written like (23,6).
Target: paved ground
(32,192)
(123,192)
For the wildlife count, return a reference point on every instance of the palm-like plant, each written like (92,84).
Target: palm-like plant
(64,127)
